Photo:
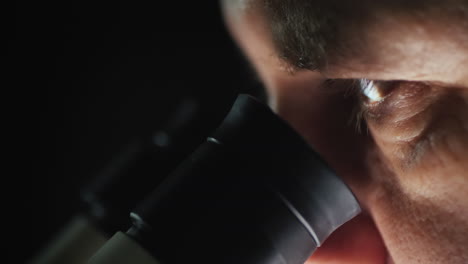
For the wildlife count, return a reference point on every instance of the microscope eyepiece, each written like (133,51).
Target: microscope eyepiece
(254,192)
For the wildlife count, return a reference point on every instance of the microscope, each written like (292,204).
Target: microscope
(247,190)
(253,192)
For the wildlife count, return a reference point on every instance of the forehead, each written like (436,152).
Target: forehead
(369,39)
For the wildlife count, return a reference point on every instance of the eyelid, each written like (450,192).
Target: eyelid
(395,101)
(375,93)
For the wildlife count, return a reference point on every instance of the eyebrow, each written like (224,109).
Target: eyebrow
(301,35)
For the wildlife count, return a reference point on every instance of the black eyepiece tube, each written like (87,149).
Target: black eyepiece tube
(254,192)
(145,162)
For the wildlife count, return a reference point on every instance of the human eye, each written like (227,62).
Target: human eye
(410,118)
(395,101)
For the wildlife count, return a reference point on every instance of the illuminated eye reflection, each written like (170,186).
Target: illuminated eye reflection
(370,90)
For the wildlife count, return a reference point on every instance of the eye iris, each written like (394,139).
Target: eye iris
(371,90)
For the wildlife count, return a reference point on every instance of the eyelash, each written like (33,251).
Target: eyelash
(349,88)
(366,93)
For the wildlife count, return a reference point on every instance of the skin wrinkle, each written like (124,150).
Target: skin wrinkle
(410,153)
(410,135)
(401,118)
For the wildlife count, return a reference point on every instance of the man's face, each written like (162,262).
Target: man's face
(380,90)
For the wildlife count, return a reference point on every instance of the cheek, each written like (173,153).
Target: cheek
(420,230)
(421,209)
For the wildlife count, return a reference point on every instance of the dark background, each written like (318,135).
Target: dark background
(83,79)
